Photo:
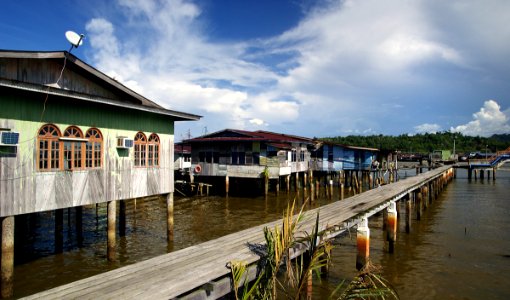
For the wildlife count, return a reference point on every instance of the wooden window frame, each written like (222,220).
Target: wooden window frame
(49,133)
(93,159)
(153,151)
(140,145)
(77,143)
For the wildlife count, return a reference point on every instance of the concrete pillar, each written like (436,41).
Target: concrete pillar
(363,244)
(392,226)
(226,185)
(7,260)
(408,212)
(170,217)
(122,218)
(112,215)
(59,228)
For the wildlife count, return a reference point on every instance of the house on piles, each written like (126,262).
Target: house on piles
(72,136)
(245,157)
(348,160)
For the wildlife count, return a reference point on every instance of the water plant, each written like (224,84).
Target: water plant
(285,275)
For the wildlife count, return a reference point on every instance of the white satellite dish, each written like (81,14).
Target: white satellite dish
(75,39)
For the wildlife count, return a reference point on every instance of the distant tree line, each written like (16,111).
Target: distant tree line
(427,142)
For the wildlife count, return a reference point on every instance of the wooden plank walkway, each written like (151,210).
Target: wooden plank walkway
(174,274)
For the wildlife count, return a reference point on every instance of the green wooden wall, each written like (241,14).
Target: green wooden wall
(30,106)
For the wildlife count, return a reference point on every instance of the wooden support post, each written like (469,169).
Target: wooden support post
(331,188)
(305,180)
(111,243)
(482,174)
(79,225)
(266,185)
(392,226)
(287,182)
(7,259)
(476,174)
(494,174)
(470,173)
(226,185)
(425,196)
(278,185)
(317,187)
(122,218)
(59,228)
(408,212)
(170,217)
(363,244)
(419,204)
(297,181)
(342,190)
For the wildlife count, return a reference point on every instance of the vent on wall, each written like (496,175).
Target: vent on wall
(9,138)
(124,143)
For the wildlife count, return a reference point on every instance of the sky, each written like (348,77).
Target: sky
(310,68)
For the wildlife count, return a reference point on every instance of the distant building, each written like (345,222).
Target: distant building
(246,154)
(332,157)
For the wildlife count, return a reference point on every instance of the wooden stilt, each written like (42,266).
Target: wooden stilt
(111,243)
(408,212)
(122,218)
(170,217)
(59,228)
(7,259)
(226,185)
(418,198)
(287,182)
(363,244)
(79,225)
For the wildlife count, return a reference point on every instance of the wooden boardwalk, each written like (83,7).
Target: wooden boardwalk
(203,267)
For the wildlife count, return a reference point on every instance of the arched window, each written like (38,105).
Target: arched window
(48,158)
(140,150)
(73,148)
(93,148)
(153,144)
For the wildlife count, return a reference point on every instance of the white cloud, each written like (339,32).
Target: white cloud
(341,63)
(488,121)
(427,128)
(257,122)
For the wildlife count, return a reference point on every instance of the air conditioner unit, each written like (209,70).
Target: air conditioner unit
(9,138)
(124,143)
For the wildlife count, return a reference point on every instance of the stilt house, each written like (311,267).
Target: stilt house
(71,136)
(247,154)
(332,157)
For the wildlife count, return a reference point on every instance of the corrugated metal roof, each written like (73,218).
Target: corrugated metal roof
(89,71)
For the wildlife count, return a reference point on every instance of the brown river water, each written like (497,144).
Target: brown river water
(460,249)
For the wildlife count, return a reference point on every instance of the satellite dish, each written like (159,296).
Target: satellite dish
(75,39)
